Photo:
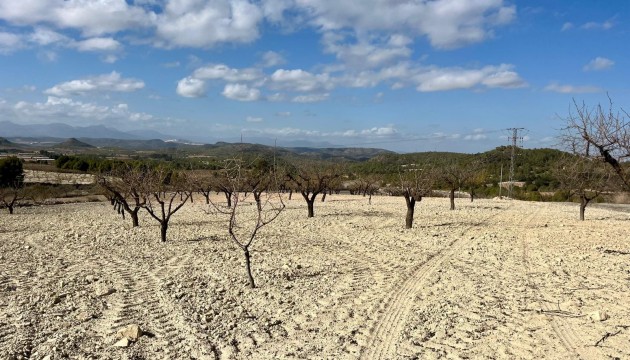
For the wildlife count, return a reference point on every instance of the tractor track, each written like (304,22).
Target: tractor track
(386,331)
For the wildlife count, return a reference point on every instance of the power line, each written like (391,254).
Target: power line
(514,138)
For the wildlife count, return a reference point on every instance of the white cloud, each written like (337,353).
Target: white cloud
(194,23)
(73,112)
(447,23)
(174,64)
(44,36)
(475,137)
(92,18)
(387,132)
(226,73)
(572,89)
(276,97)
(241,92)
(283,113)
(205,23)
(9,42)
(599,63)
(191,87)
(109,58)
(47,56)
(102,83)
(310,98)
(442,79)
(253,119)
(104,44)
(271,59)
(593,25)
(300,80)
(368,52)
(567,26)
(372,132)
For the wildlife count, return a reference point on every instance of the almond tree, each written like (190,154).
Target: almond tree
(126,186)
(202,182)
(165,193)
(367,185)
(415,183)
(455,176)
(220,182)
(245,222)
(311,179)
(10,196)
(603,133)
(584,178)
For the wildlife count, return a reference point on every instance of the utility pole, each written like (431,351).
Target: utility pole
(513,139)
(501,181)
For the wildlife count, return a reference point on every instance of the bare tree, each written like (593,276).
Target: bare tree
(600,132)
(415,183)
(311,179)
(584,178)
(457,175)
(220,181)
(10,196)
(245,221)
(126,186)
(165,193)
(202,182)
(366,185)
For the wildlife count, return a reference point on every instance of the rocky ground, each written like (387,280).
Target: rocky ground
(491,279)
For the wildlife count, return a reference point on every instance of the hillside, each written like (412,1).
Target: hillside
(73,144)
(9,146)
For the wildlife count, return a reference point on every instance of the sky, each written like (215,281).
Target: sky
(404,75)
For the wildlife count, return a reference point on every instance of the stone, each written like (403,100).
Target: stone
(106,292)
(124,342)
(131,332)
(599,316)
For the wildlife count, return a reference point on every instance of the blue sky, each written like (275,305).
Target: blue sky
(415,75)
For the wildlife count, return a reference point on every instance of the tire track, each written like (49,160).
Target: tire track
(386,332)
(569,339)
(141,300)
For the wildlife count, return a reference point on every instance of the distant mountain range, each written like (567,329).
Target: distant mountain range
(64,131)
(61,137)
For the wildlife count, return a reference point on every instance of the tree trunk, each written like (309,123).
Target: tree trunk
(472,195)
(411,203)
(10,208)
(370,200)
(310,204)
(228,197)
(134,217)
(248,268)
(451,196)
(163,228)
(207,196)
(583,203)
(324,197)
(290,194)
(258,202)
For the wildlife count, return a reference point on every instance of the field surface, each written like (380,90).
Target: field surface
(493,279)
